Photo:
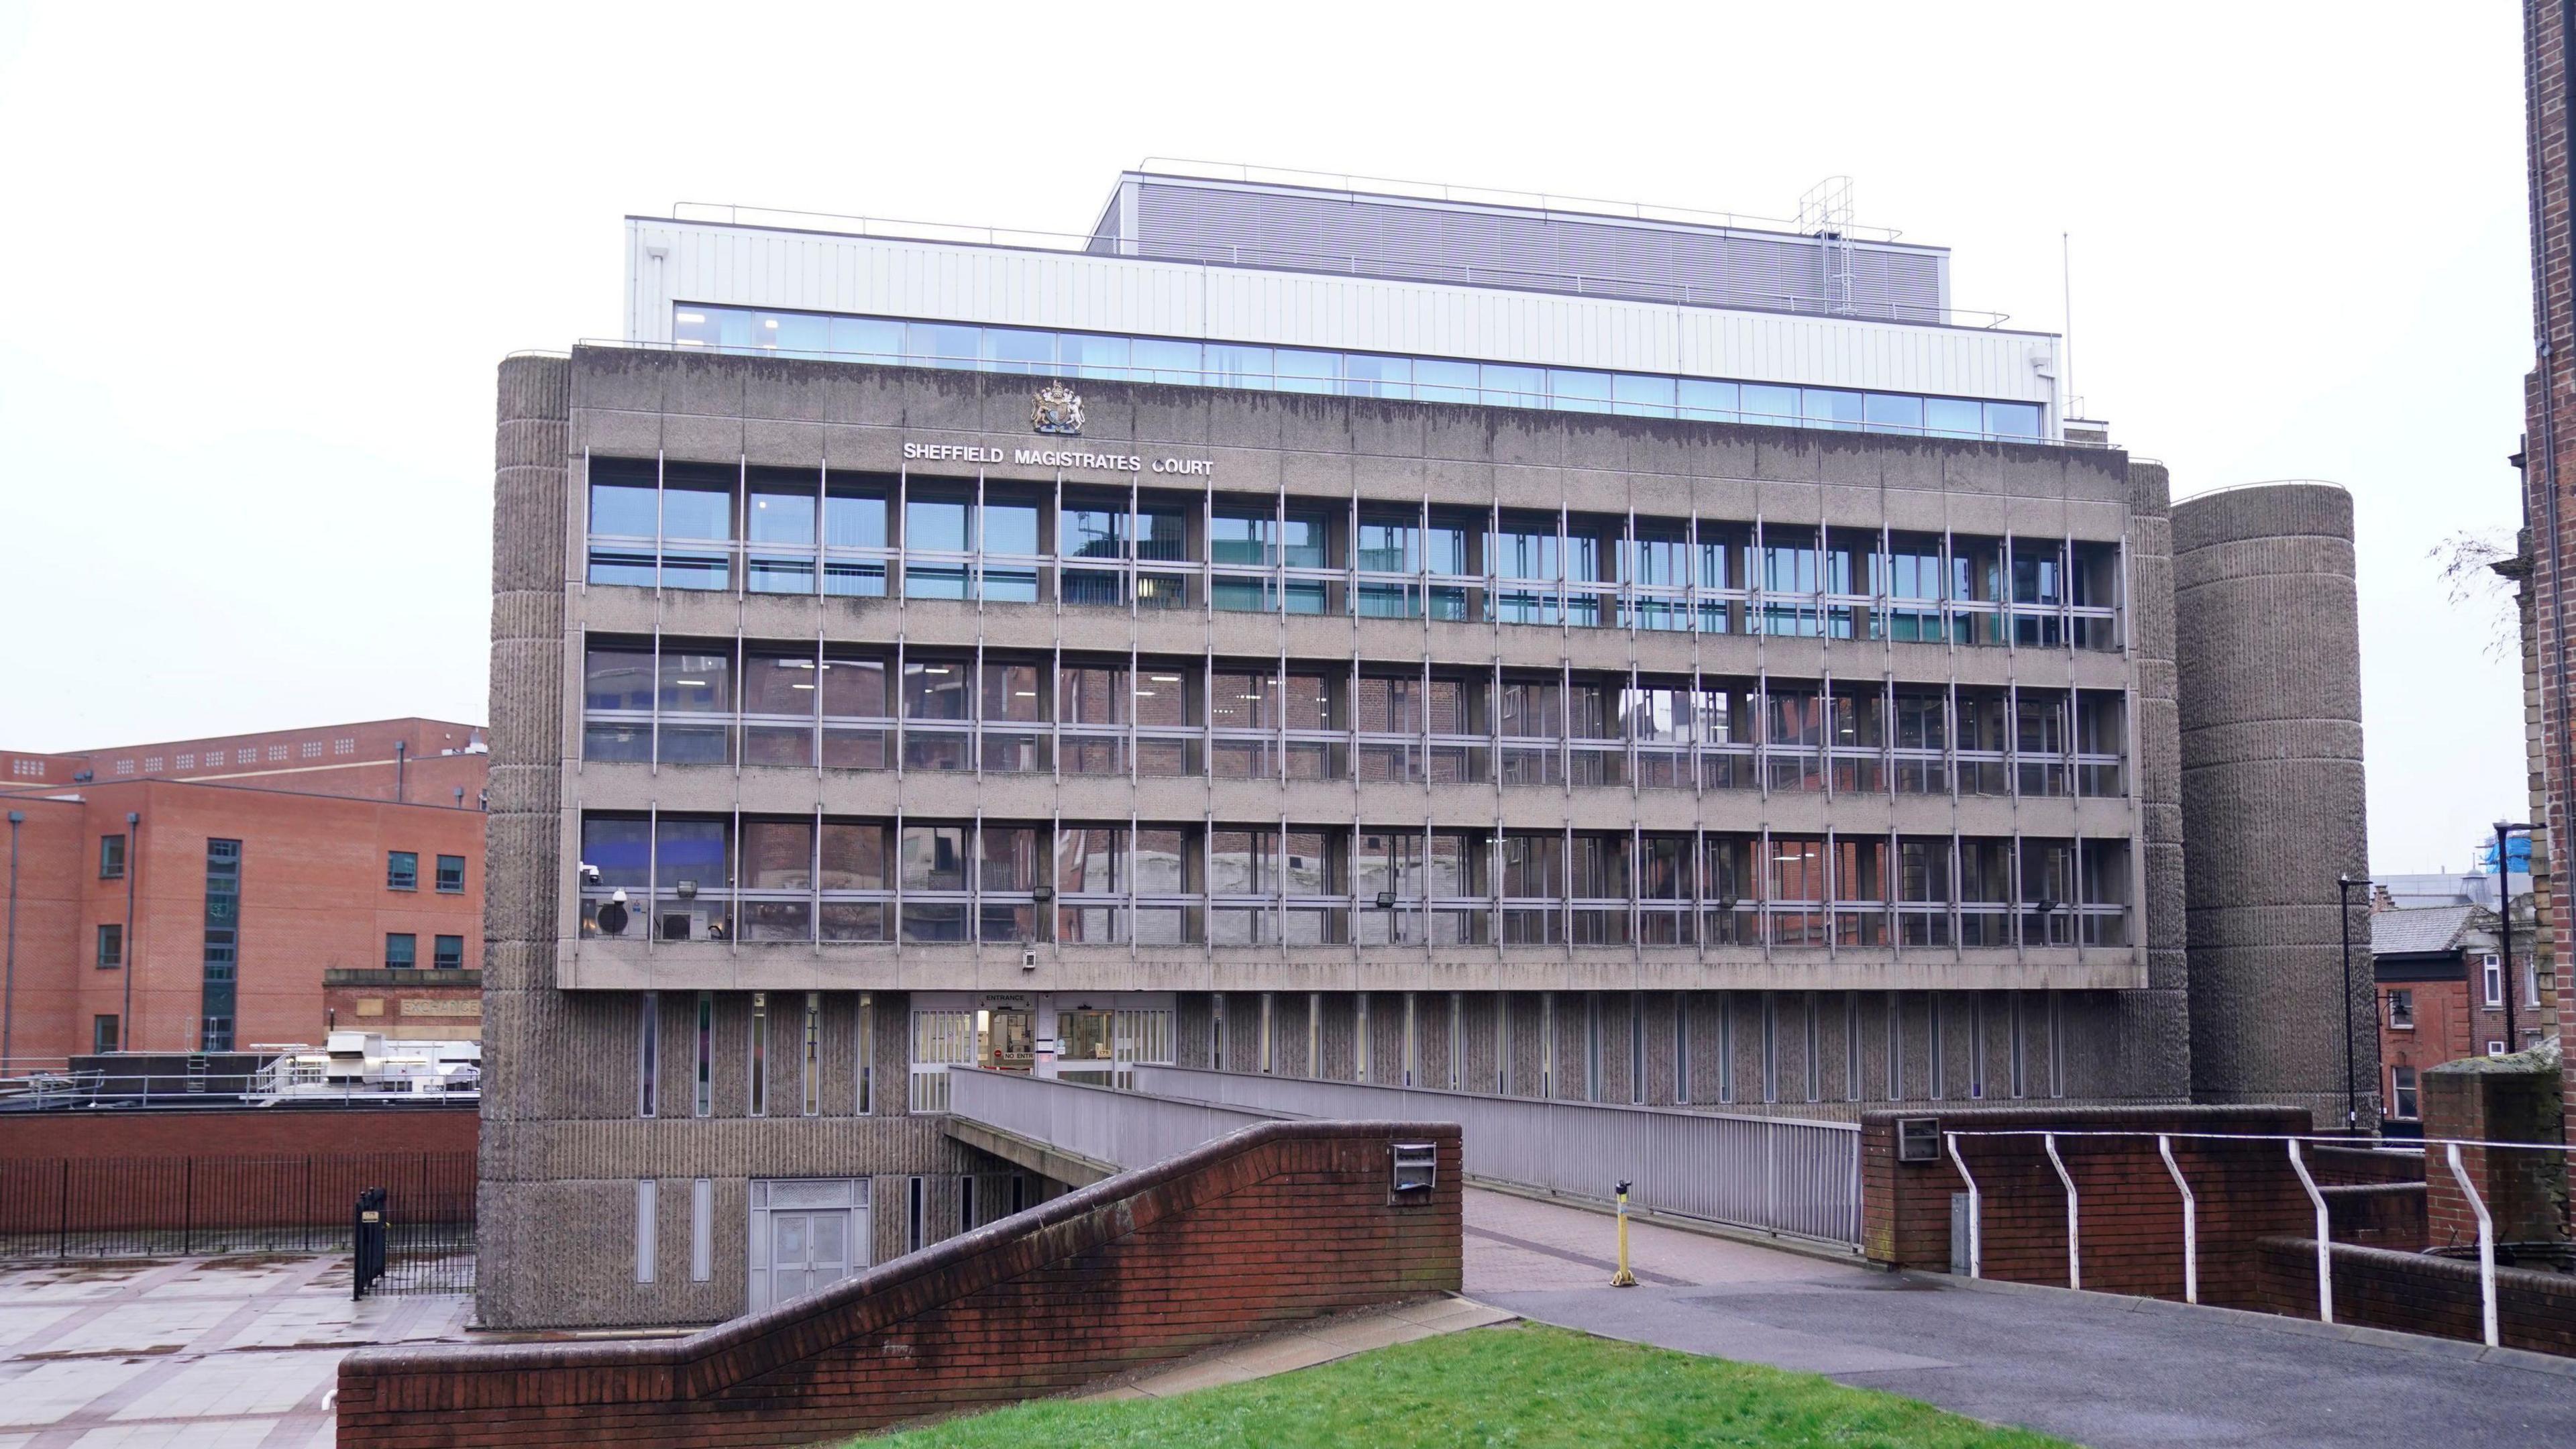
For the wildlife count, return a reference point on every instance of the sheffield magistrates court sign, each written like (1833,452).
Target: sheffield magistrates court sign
(1057,410)
(1057,458)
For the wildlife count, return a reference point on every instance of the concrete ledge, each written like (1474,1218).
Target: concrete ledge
(1044,1159)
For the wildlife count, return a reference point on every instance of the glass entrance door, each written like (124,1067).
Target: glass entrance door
(807,1250)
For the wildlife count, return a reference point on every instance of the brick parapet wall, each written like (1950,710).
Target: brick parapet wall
(1279,1223)
(2130,1215)
(2416,1293)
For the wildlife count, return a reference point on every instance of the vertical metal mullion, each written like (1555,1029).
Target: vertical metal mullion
(652,874)
(738,548)
(733,881)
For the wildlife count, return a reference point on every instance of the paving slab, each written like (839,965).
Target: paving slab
(209,1353)
(2101,1370)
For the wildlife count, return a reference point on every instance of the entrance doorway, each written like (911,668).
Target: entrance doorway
(806,1235)
(1010,1040)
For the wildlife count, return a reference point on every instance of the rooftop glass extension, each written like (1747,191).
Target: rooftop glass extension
(1188,363)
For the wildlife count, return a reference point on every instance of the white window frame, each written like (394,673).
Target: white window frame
(2491,978)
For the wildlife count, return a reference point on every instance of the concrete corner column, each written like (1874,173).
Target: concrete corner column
(2268,671)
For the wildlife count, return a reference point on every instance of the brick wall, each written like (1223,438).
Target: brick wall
(1282,1222)
(2414,1293)
(250,1132)
(2131,1219)
(2549,404)
(65,1175)
(2502,1099)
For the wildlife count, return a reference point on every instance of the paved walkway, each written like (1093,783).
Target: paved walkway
(210,1353)
(2108,1372)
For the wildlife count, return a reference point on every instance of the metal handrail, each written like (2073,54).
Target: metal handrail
(1237,378)
(2487,1292)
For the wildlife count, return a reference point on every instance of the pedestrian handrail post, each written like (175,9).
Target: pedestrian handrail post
(2074,1250)
(2190,1222)
(2486,1244)
(1976,1246)
(2325,1236)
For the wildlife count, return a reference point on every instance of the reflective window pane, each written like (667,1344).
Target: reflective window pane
(1700,398)
(1888,412)
(1641,397)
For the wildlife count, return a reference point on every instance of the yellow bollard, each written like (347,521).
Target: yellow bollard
(1623,1278)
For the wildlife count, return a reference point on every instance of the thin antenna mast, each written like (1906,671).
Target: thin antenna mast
(2066,302)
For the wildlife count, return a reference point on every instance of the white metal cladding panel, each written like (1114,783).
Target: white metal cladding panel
(1414,239)
(729,266)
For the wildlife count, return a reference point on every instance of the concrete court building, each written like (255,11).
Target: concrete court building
(1301,628)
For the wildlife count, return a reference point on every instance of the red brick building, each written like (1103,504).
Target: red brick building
(214,893)
(2442,982)
(2547,458)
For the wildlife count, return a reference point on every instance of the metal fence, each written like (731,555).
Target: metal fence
(1793,1178)
(1784,1176)
(1124,1129)
(56,1209)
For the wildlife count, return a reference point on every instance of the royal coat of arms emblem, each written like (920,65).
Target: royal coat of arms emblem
(1058,409)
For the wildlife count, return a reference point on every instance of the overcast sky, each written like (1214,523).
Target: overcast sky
(260,265)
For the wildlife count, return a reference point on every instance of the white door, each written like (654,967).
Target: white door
(805,1236)
(807,1250)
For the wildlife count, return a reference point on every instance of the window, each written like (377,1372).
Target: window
(344,747)
(152,765)
(222,959)
(447,953)
(111,857)
(2495,1048)
(402,950)
(310,750)
(648,1053)
(866,1103)
(705,1102)
(760,1054)
(111,947)
(402,870)
(277,753)
(702,1229)
(812,1073)
(125,767)
(622,491)
(2491,974)
(451,875)
(102,1034)
(2401,1093)
(2401,1010)
(644,1230)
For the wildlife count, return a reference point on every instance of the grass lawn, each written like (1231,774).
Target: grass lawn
(1521,1385)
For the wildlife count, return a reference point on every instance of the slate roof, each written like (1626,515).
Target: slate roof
(2426,930)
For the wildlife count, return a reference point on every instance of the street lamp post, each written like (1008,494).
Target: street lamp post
(2504,917)
(2351,1089)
